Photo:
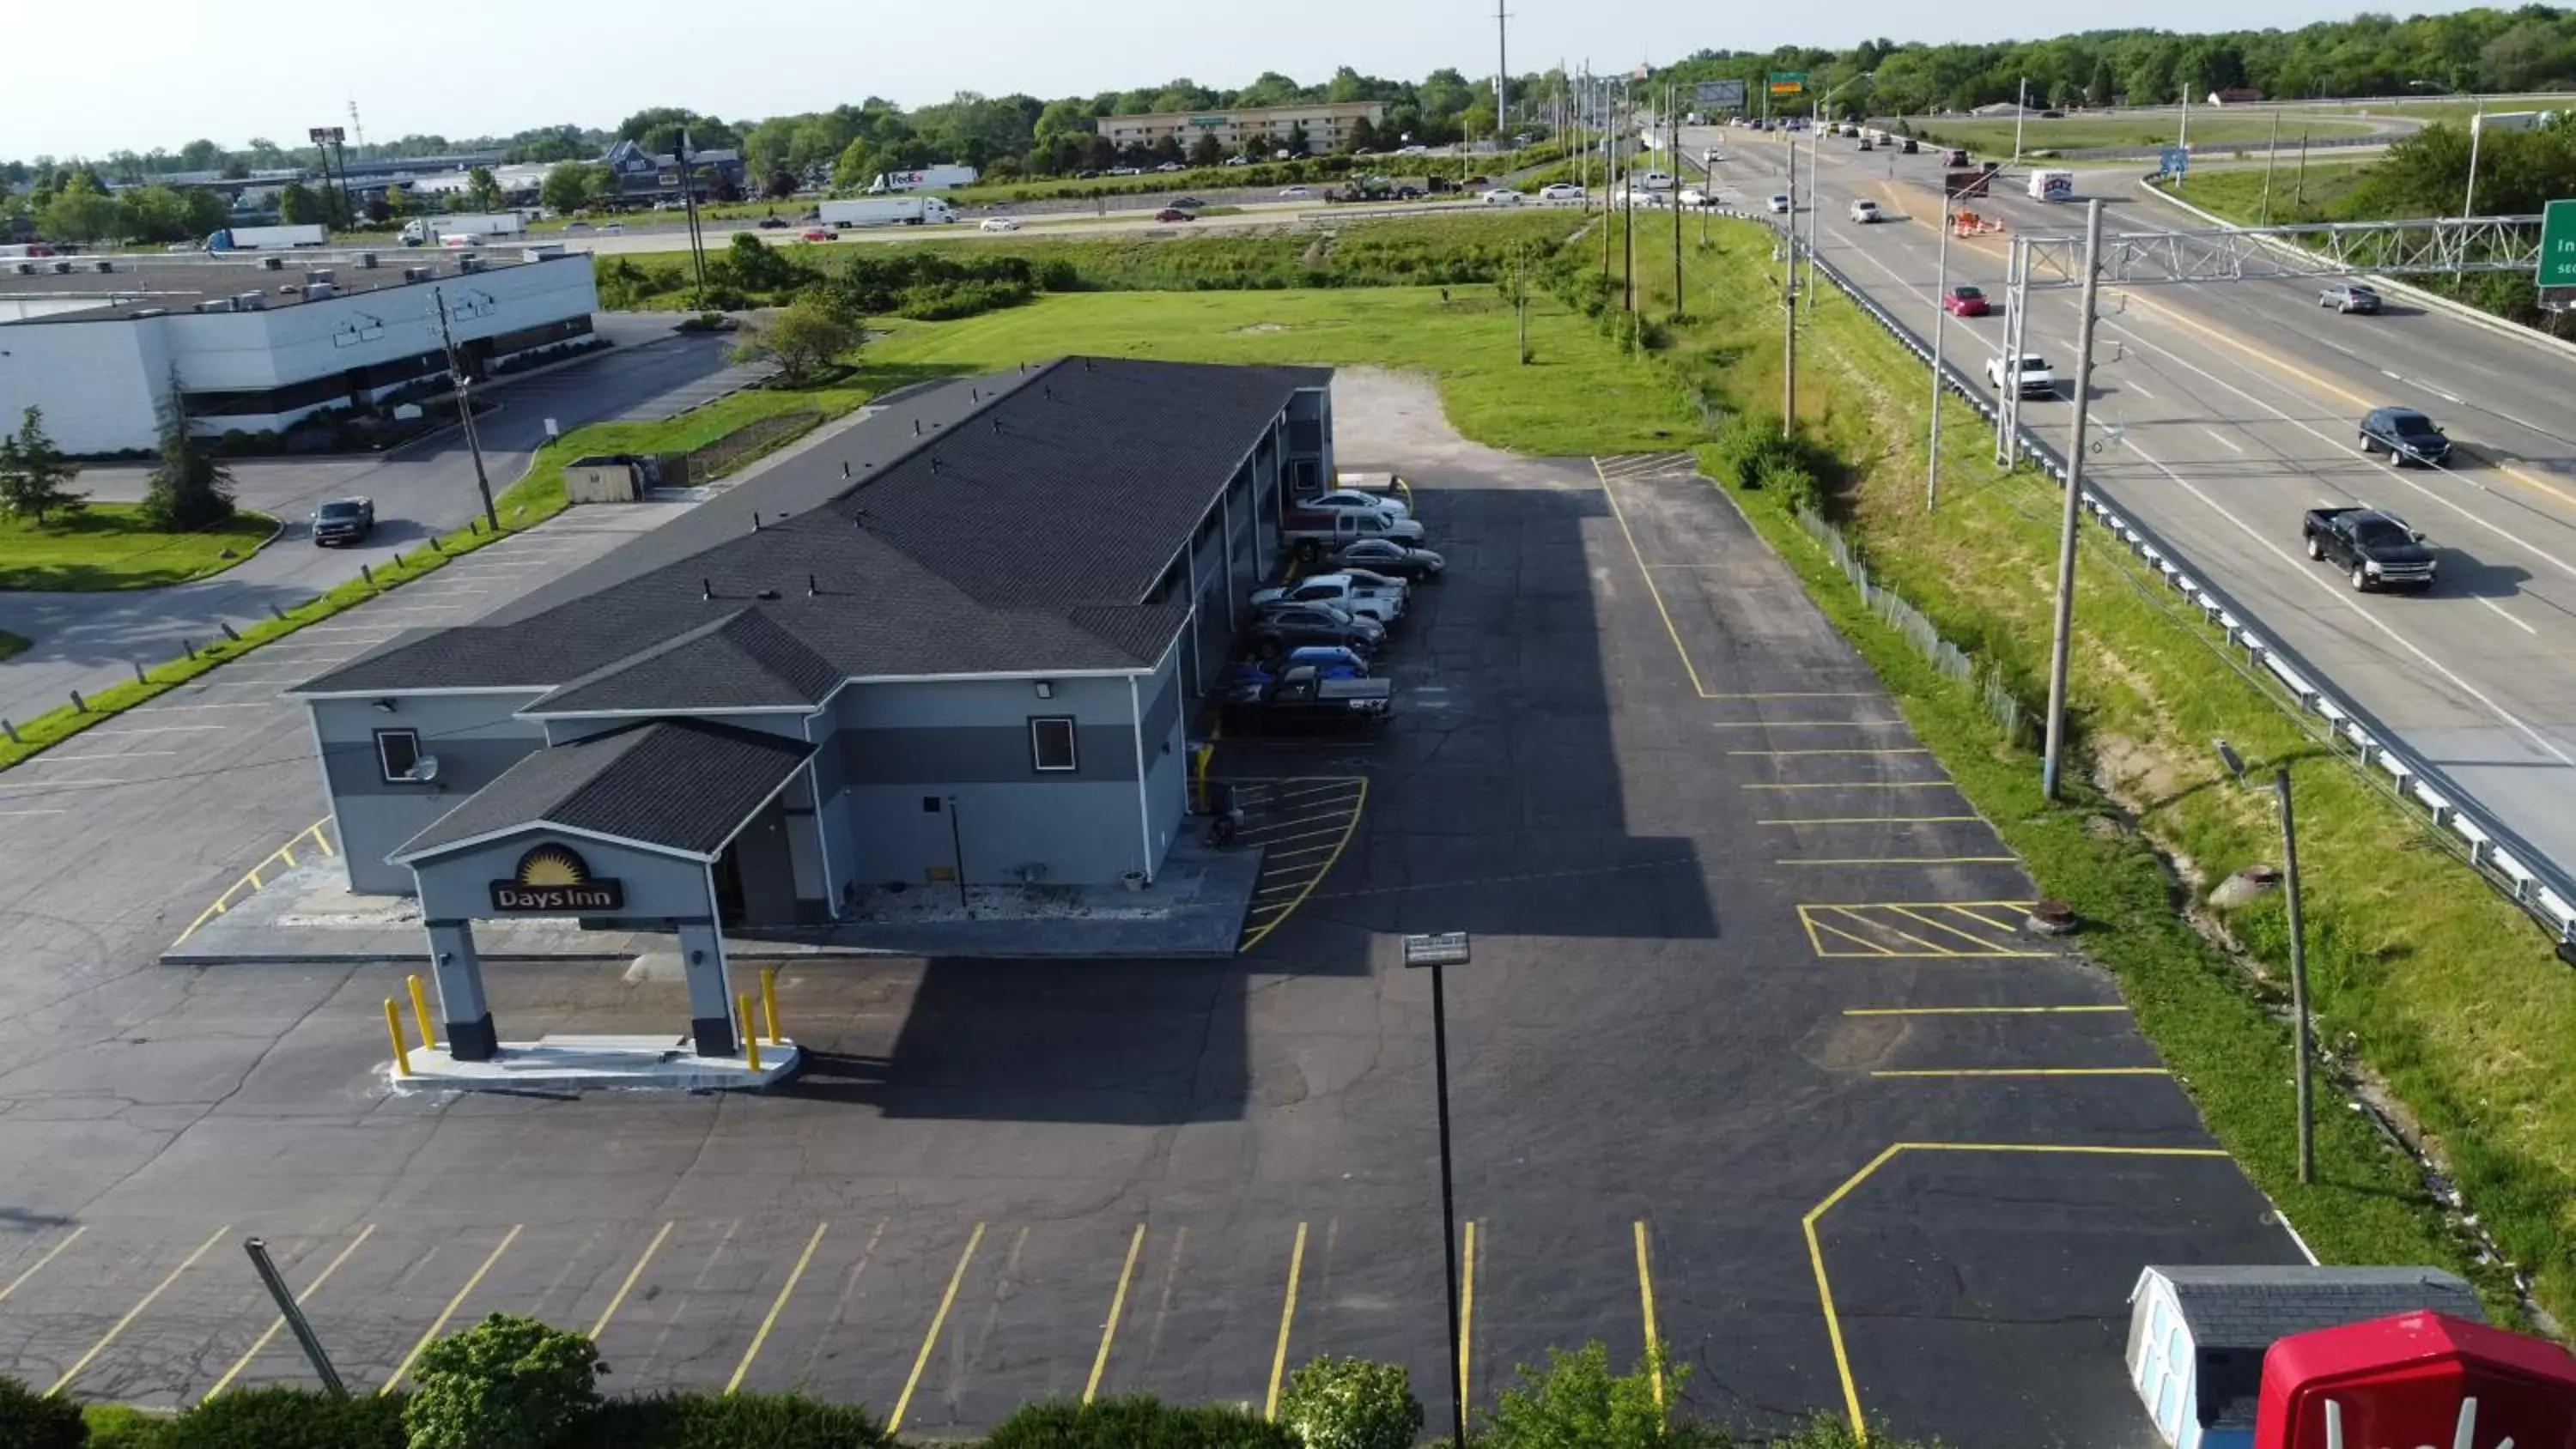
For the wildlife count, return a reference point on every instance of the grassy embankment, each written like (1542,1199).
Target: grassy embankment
(2413,958)
(2237,194)
(106,546)
(2210,129)
(537,496)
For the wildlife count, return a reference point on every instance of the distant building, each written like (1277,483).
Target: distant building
(646,176)
(2235,96)
(1328,125)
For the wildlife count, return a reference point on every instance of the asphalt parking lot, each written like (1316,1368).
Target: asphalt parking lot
(1749,1051)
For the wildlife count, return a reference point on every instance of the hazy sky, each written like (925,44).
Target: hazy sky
(145,73)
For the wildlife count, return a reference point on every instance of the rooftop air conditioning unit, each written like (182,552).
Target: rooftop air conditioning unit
(62,267)
(320,291)
(104,265)
(24,269)
(469,263)
(319,274)
(366,261)
(251,302)
(216,304)
(150,312)
(272,264)
(419,274)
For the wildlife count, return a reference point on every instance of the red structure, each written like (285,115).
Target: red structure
(2415,1380)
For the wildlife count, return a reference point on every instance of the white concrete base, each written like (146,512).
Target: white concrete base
(594,1063)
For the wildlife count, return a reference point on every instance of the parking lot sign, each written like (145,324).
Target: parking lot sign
(2175,160)
(1719,95)
(2557,245)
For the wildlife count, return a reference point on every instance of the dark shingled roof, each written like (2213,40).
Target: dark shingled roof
(681,785)
(995,525)
(2237,1313)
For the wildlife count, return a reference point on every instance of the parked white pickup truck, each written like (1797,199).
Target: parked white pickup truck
(1313,532)
(1369,601)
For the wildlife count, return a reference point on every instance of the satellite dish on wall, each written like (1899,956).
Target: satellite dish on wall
(425,768)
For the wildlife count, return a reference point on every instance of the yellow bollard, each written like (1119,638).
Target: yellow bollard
(750,1038)
(420,1012)
(393,1028)
(769,1002)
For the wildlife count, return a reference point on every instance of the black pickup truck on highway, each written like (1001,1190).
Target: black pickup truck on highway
(2376,550)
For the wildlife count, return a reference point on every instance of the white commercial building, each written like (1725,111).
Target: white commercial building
(258,344)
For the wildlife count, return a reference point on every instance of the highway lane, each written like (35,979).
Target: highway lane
(2238,404)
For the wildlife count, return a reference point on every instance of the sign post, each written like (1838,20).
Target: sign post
(2175,160)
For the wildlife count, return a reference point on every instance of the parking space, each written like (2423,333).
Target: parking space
(1301,824)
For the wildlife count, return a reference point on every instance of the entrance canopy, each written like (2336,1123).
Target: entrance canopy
(674,787)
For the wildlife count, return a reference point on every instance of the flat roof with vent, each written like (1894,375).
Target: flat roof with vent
(141,285)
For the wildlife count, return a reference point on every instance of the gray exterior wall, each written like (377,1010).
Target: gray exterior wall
(474,736)
(658,887)
(1167,772)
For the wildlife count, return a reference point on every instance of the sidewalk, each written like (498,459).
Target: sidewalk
(1195,911)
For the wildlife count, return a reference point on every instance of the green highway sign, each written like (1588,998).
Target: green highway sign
(2557,246)
(1788,82)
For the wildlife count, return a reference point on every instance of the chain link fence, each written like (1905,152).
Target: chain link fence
(1952,661)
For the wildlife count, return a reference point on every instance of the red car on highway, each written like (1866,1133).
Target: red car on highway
(816,233)
(1964,301)
(1173,213)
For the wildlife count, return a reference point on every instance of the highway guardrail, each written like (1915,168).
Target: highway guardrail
(2534,882)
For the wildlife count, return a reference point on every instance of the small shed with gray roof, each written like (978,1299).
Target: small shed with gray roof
(2197,1335)
(957,643)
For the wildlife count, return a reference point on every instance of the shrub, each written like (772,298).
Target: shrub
(1141,1422)
(117,1426)
(734,1421)
(288,1418)
(1350,1403)
(30,1419)
(506,1383)
(1579,1404)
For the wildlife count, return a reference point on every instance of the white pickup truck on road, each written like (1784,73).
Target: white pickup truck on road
(2032,372)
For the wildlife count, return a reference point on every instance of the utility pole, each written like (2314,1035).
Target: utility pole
(1628,233)
(1520,297)
(465,411)
(2053,763)
(2271,158)
(2477,132)
(2299,193)
(689,201)
(1940,333)
(2021,108)
(1673,128)
(1502,73)
(2298,976)
(1815,215)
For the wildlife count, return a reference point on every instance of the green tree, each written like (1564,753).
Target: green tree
(297,205)
(2103,87)
(81,212)
(1577,1403)
(35,478)
(1351,1403)
(572,185)
(506,1383)
(208,212)
(1363,135)
(189,489)
(484,188)
(29,1420)
(154,213)
(1205,151)
(759,267)
(803,338)
(1296,144)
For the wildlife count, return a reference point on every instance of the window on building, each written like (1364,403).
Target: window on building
(398,751)
(1051,743)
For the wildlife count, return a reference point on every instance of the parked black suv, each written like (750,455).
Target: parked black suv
(2405,435)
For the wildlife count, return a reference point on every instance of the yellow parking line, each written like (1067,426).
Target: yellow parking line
(1244,837)
(2031,1072)
(770,1321)
(280,1321)
(1287,1317)
(38,1266)
(1989,920)
(1969,936)
(1301,850)
(1649,576)
(1646,1297)
(1872,820)
(930,1340)
(1908,860)
(1875,949)
(132,1313)
(1858,785)
(1970,1010)
(1777,754)
(1930,946)
(1359,805)
(1117,1305)
(136,1311)
(1467,1317)
(1816,1252)
(632,1274)
(449,1311)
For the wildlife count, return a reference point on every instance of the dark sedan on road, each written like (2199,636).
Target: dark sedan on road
(343,521)
(2349,297)
(2405,435)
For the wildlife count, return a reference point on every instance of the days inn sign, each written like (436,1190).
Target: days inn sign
(553,879)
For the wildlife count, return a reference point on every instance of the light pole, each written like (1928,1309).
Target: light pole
(2054,759)
(2303,1031)
(465,412)
(2477,131)
(2021,108)
(2272,157)
(1433,953)
(1940,332)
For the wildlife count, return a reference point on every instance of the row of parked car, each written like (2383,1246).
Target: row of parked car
(1317,640)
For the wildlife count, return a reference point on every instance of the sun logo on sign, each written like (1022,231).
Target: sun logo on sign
(552,865)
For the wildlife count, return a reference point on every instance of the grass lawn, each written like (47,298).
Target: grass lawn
(11,645)
(2209,128)
(1577,397)
(105,546)
(2237,193)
